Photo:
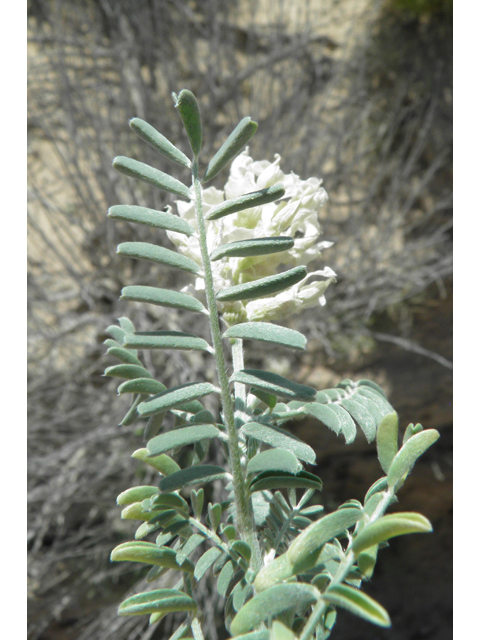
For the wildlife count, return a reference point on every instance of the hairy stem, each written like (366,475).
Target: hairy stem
(342,572)
(239,388)
(245,520)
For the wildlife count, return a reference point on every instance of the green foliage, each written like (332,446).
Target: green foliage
(263,286)
(281,564)
(247,201)
(267,332)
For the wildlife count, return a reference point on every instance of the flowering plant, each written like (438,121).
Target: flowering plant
(283,566)
(295,215)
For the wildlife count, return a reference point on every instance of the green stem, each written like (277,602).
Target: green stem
(342,571)
(209,534)
(245,520)
(197,629)
(239,388)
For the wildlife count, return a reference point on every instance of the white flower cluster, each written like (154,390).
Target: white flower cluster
(295,215)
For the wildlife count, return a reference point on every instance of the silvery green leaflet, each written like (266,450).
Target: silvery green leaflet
(283,566)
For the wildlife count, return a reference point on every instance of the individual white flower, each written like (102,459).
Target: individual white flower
(295,215)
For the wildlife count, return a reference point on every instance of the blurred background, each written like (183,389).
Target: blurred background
(356,92)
